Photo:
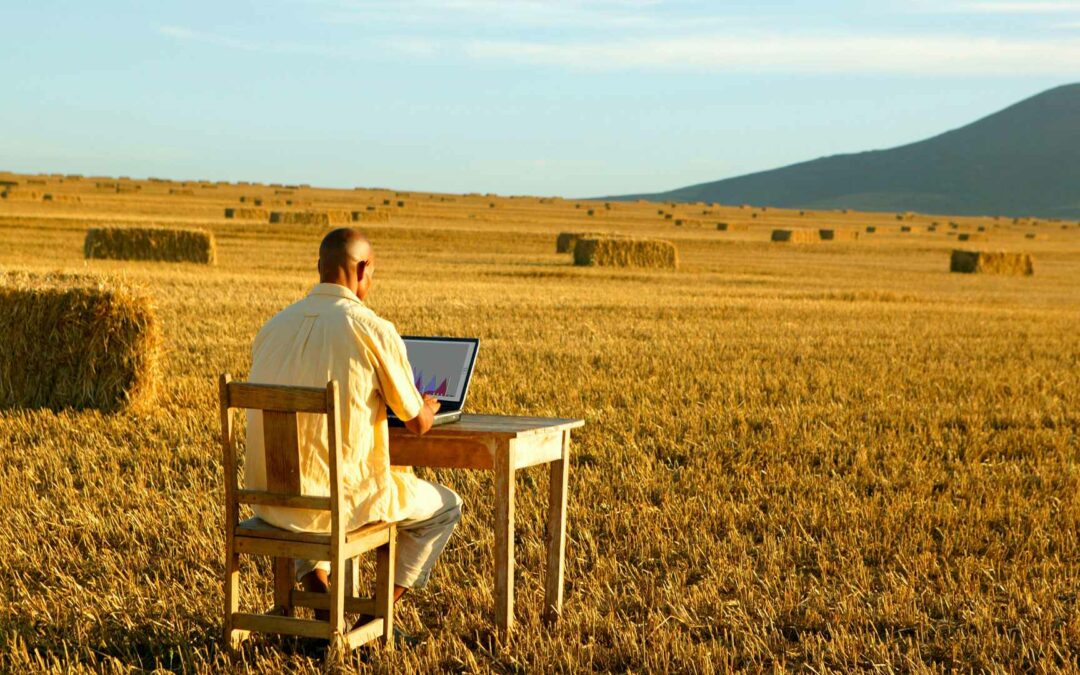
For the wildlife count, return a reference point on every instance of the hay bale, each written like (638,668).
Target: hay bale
(61,199)
(76,342)
(330,217)
(247,213)
(870,229)
(370,216)
(17,195)
(733,227)
(566,241)
(187,192)
(971,236)
(625,252)
(838,235)
(1036,236)
(150,243)
(909,228)
(795,236)
(970,262)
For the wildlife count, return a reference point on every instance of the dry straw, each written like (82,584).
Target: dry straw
(838,235)
(150,243)
(795,236)
(1018,264)
(625,252)
(76,342)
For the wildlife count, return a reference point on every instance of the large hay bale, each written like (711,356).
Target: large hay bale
(795,236)
(970,262)
(150,243)
(76,342)
(838,235)
(625,252)
(247,212)
(733,227)
(871,229)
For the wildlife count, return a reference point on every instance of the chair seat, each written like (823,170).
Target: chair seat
(375,534)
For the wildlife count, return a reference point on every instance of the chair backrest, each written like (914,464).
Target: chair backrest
(279,406)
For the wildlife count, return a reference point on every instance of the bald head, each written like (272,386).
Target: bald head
(345,258)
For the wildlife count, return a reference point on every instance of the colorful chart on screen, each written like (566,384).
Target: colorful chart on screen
(440,367)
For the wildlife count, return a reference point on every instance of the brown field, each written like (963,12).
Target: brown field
(832,456)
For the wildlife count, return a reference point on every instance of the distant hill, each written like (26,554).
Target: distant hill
(1021,161)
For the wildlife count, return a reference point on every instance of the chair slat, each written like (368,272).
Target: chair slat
(265,498)
(281,452)
(276,397)
(267,623)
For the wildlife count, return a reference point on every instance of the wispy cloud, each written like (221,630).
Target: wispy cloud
(940,55)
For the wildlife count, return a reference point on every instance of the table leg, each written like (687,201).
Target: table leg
(504,537)
(559,473)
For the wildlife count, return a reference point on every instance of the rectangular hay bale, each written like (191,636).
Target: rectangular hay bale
(984,262)
(795,236)
(838,235)
(247,213)
(609,251)
(76,342)
(151,243)
(733,227)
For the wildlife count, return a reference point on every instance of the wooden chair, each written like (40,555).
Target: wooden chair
(279,406)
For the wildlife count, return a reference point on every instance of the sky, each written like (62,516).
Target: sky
(545,97)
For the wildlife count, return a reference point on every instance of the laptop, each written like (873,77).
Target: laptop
(443,368)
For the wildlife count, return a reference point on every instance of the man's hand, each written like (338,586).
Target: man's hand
(421,424)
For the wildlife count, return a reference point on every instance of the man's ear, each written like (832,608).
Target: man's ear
(360,267)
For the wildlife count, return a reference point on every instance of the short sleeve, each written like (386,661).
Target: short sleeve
(395,374)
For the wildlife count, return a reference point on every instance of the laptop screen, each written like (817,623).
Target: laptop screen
(442,366)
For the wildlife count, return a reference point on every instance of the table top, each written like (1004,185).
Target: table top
(505,426)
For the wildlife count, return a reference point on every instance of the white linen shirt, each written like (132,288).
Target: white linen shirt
(331,334)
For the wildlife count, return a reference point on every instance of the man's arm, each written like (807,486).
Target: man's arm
(421,424)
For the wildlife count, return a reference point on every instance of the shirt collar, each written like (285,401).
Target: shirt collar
(335,290)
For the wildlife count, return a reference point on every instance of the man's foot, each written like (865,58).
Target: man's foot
(316,581)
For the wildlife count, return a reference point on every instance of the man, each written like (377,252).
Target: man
(332,334)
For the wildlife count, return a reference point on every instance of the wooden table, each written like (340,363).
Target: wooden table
(504,444)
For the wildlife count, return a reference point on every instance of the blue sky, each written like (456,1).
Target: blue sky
(515,97)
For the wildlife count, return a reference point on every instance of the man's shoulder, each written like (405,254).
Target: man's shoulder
(365,319)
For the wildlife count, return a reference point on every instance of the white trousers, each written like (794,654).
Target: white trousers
(421,537)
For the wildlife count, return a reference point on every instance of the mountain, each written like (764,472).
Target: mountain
(1021,161)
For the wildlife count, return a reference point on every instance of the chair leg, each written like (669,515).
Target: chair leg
(284,575)
(233,636)
(338,629)
(385,558)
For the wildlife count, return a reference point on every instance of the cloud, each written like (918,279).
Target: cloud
(938,55)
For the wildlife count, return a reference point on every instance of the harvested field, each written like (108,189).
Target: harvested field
(806,458)
(1018,264)
(150,243)
(75,342)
